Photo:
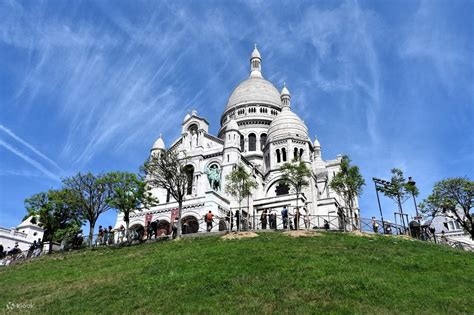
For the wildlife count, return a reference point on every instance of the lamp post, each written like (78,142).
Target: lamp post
(380,182)
(412,183)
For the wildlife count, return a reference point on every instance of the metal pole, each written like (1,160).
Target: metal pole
(380,207)
(401,211)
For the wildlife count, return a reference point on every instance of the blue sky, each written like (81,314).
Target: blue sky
(89,86)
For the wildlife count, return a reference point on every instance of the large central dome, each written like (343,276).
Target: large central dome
(254,90)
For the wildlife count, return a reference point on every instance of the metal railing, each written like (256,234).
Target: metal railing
(10,258)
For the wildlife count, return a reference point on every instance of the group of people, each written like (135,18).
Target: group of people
(34,250)
(105,236)
(270,217)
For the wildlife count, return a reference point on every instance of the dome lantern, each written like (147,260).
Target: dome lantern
(256,63)
(285,96)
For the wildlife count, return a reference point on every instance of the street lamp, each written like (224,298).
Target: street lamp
(379,182)
(412,183)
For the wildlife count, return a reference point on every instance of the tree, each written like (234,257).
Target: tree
(453,198)
(167,170)
(239,184)
(399,190)
(129,193)
(92,193)
(296,175)
(348,183)
(56,211)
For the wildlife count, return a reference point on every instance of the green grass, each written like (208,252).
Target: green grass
(328,273)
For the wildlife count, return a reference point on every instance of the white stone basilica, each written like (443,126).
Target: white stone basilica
(260,131)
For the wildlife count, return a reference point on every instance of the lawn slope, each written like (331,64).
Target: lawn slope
(272,273)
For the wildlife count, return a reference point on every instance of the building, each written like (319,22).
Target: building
(260,131)
(25,233)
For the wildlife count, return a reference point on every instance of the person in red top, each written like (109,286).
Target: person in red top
(208,218)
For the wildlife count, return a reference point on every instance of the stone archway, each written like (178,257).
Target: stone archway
(189,224)
(136,231)
(163,227)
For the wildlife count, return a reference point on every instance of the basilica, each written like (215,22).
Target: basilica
(259,130)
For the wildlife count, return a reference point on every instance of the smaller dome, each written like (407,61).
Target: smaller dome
(316,142)
(255,53)
(287,124)
(159,144)
(186,117)
(232,125)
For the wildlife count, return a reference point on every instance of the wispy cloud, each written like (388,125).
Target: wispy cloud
(35,163)
(29,146)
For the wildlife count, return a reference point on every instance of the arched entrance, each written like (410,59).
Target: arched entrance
(189,224)
(222,225)
(136,231)
(163,227)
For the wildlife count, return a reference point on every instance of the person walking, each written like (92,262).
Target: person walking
(263,219)
(209,219)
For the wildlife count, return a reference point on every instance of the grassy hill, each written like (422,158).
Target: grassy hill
(328,272)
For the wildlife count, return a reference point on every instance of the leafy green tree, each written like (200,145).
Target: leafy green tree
(168,170)
(348,183)
(453,198)
(129,193)
(240,184)
(92,192)
(296,174)
(399,189)
(56,211)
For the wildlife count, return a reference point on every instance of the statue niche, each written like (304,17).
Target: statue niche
(214,176)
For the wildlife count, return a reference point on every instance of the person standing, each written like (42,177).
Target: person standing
(121,233)
(237,219)
(326,225)
(263,219)
(106,236)
(284,217)
(154,228)
(307,219)
(209,219)
(149,230)
(375,225)
(174,228)
(297,219)
(100,236)
(110,239)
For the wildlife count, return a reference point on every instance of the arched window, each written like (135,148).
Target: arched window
(190,175)
(295,154)
(301,153)
(242,143)
(282,189)
(278,156)
(252,142)
(283,154)
(263,140)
